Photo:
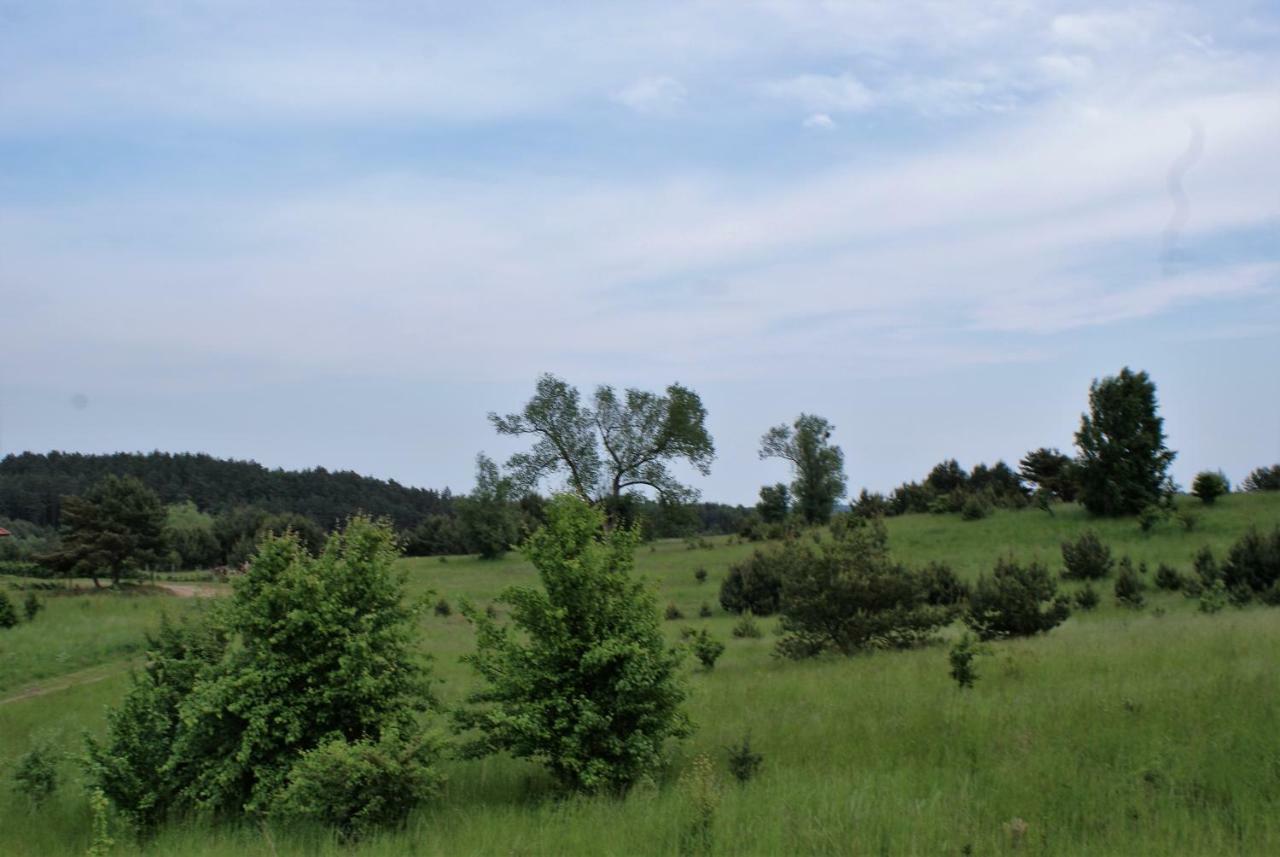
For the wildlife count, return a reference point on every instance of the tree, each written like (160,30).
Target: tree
(582,679)
(817,464)
(1263,479)
(775,502)
(490,522)
(1209,485)
(1015,601)
(189,534)
(611,446)
(1124,462)
(117,526)
(1051,472)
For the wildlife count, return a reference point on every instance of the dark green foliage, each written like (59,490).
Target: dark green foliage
(26,541)
(36,774)
(443,608)
(706,648)
(744,761)
(190,537)
(116,527)
(747,628)
(31,486)
(871,505)
(1168,578)
(1213,597)
(846,595)
(23,568)
(1087,598)
(1263,479)
(1252,567)
(705,611)
(1053,474)
(8,615)
(1124,462)
(581,680)
(962,656)
(1206,566)
(436,535)
(775,503)
(310,534)
(816,464)
(1087,558)
(612,446)
(700,575)
(975,508)
(490,522)
(31,606)
(359,786)
(306,651)
(1015,601)
(1209,485)
(755,584)
(672,613)
(1151,515)
(941,585)
(238,531)
(1129,586)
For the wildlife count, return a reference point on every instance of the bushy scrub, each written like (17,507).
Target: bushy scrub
(581,680)
(359,786)
(1252,567)
(1209,485)
(962,656)
(847,595)
(706,648)
(309,649)
(755,585)
(1087,598)
(942,586)
(1016,600)
(31,606)
(1086,558)
(747,628)
(36,774)
(1263,479)
(975,508)
(744,761)
(8,615)
(1129,586)
(1168,578)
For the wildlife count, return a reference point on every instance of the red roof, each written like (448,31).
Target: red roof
(4,532)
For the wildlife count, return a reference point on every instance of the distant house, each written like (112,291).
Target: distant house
(4,532)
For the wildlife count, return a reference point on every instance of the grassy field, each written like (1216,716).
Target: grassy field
(1119,733)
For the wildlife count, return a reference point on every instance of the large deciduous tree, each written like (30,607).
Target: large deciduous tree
(116,527)
(612,445)
(1124,462)
(490,522)
(817,464)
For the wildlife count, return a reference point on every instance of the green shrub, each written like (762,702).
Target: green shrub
(1206,567)
(1168,578)
(705,611)
(756,584)
(357,787)
(8,615)
(847,595)
(744,761)
(443,607)
(1209,486)
(1213,597)
(1129,586)
(1150,516)
(747,628)
(1015,601)
(23,568)
(1252,566)
(962,656)
(1087,558)
(942,586)
(975,508)
(672,613)
(700,575)
(581,679)
(36,774)
(1263,479)
(706,649)
(31,606)
(1087,598)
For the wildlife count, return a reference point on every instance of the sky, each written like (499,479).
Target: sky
(340,233)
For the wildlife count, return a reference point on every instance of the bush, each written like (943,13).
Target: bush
(672,613)
(356,787)
(23,568)
(1263,479)
(1151,515)
(1129,586)
(706,649)
(755,585)
(1252,567)
(1087,599)
(705,611)
(36,774)
(8,615)
(1209,486)
(581,679)
(1015,601)
(747,628)
(1168,578)
(975,508)
(942,586)
(443,608)
(744,762)
(1087,558)
(31,606)
(1213,597)
(700,575)
(847,595)
(961,656)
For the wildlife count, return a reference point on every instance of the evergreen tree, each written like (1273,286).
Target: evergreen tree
(1124,462)
(117,527)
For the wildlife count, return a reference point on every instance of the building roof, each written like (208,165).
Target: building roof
(4,532)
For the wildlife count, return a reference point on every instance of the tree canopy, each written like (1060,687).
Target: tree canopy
(614,444)
(117,526)
(1124,462)
(817,464)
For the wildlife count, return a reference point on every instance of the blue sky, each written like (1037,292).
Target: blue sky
(339,234)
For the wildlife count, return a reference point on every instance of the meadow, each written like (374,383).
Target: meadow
(1120,732)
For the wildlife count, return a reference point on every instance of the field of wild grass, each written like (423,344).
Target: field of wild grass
(1119,733)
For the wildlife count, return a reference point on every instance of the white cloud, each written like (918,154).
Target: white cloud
(823,93)
(821,121)
(652,95)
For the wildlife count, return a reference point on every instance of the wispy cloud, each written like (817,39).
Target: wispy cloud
(652,95)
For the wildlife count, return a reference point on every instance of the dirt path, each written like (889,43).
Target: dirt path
(187,590)
(91,675)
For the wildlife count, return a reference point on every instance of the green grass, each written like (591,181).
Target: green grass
(1119,733)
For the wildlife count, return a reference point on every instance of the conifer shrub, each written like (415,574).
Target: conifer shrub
(443,607)
(962,657)
(706,648)
(1209,485)
(747,628)
(705,611)
(744,761)
(1087,598)
(8,615)
(1016,600)
(1086,558)
(672,613)
(1168,578)
(1129,586)
(755,584)
(1252,567)
(31,606)
(36,774)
